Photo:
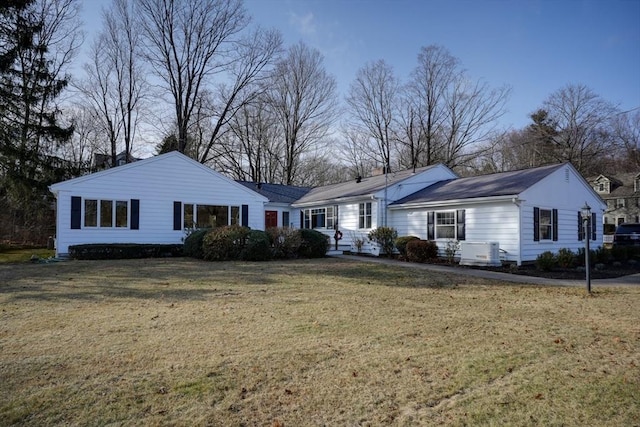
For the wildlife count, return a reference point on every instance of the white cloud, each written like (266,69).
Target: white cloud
(303,23)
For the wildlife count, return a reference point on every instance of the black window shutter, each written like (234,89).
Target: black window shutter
(245,215)
(430,226)
(76,212)
(555,225)
(536,224)
(177,215)
(580,227)
(593,226)
(301,219)
(460,226)
(135,214)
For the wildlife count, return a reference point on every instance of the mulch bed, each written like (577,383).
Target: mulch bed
(609,272)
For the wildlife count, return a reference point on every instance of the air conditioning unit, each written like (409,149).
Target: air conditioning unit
(480,253)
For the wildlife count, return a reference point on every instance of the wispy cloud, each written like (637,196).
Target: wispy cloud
(305,24)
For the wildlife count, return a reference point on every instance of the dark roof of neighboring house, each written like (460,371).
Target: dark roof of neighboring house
(353,188)
(623,184)
(496,184)
(277,193)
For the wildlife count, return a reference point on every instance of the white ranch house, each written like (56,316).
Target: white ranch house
(523,213)
(150,201)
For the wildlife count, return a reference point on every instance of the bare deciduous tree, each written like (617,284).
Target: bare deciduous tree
(451,112)
(626,131)
(472,111)
(123,49)
(187,43)
(303,97)
(372,100)
(581,119)
(256,53)
(253,150)
(425,98)
(114,86)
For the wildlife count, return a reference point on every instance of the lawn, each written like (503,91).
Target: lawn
(320,342)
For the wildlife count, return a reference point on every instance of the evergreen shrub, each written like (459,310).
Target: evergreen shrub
(422,250)
(401,243)
(314,244)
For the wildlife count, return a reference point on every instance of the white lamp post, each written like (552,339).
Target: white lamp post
(586,219)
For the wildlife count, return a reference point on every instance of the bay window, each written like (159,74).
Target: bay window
(324,217)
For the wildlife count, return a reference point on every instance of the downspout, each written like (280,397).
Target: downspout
(516,201)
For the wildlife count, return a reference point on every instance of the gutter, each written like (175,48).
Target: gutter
(334,201)
(458,202)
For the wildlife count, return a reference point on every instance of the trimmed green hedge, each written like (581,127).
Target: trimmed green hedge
(124,251)
(241,243)
(225,243)
(401,243)
(193,243)
(314,244)
(421,250)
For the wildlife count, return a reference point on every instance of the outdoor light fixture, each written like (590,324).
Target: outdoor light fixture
(586,219)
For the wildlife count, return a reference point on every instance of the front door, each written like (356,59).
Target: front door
(270,219)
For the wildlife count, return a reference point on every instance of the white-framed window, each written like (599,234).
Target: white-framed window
(619,203)
(106,213)
(445,225)
(364,215)
(545,224)
(210,216)
(323,217)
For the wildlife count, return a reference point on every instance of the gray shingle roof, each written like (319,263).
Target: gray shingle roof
(352,188)
(623,185)
(496,184)
(277,193)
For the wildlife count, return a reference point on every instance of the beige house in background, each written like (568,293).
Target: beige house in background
(621,192)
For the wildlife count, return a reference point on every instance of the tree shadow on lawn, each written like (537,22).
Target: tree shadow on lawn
(152,279)
(174,279)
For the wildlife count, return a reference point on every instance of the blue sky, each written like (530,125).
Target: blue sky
(534,46)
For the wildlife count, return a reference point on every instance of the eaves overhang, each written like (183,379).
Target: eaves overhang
(513,198)
(335,201)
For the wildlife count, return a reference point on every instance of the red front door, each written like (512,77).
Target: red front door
(270,219)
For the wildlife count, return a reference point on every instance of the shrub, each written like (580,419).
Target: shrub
(314,244)
(580,257)
(603,255)
(422,250)
(357,240)
(285,242)
(257,247)
(401,243)
(450,250)
(546,261)
(225,243)
(385,237)
(193,243)
(124,251)
(619,253)
(566,258)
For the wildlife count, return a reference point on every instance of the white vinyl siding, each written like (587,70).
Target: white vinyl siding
(157,183)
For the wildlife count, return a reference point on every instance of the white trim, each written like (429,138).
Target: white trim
(61,186)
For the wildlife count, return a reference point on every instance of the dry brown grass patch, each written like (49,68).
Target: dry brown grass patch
(322,342)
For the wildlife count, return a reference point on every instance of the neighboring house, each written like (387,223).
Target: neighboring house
(103,161)
(278,211)
(527,212)
(150,201)
(621,192)
(358,206)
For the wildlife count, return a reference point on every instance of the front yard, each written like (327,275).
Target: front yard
(313,342)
